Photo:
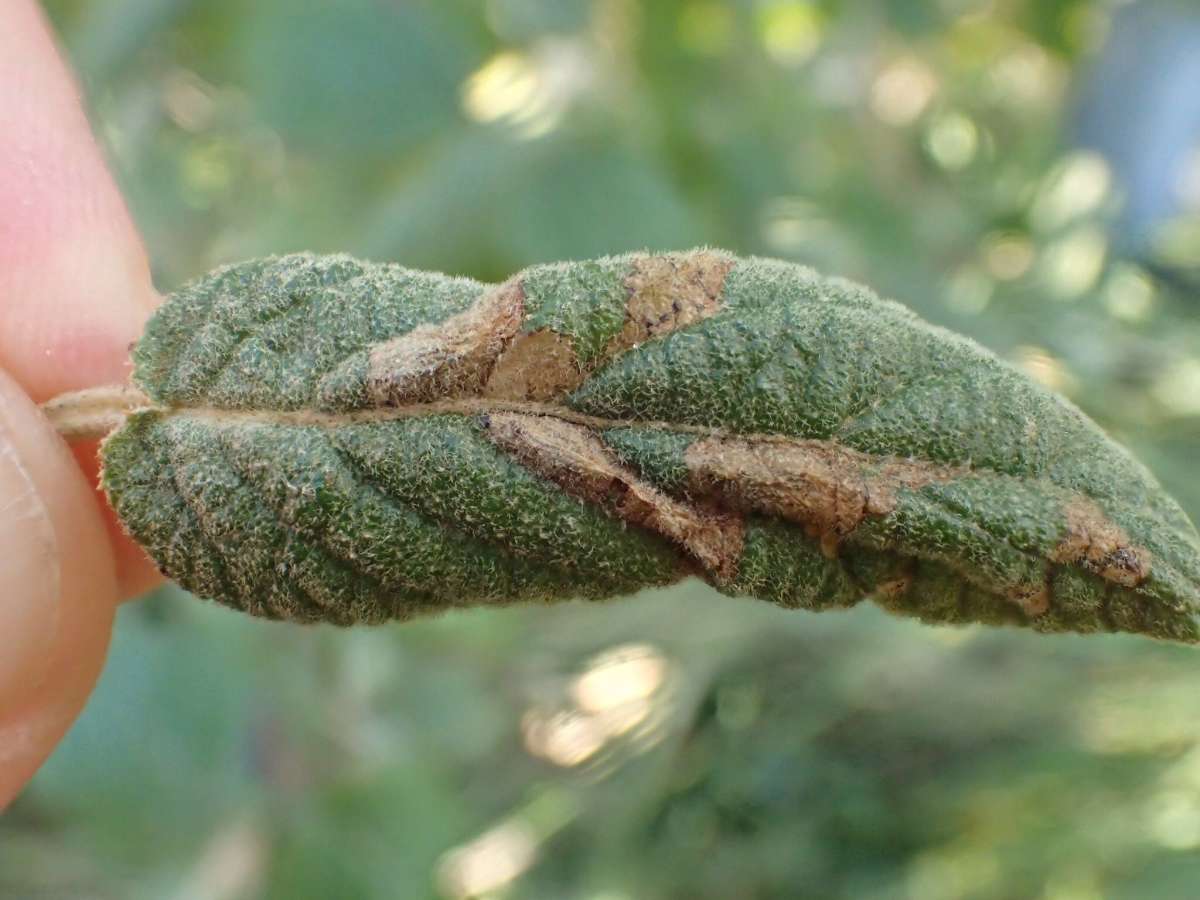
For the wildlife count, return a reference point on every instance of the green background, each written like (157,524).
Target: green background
(675,744)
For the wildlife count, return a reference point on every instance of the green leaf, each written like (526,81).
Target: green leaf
(334,440)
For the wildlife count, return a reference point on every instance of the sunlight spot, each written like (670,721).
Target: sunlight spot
(902,91)
(1042,367)
(565,738)
(188,100)
(1026,78)
(503,86)
(621,675)
(488,863)
(619,694)
(231,865)
(790,31)
(623,719)
(1075,187)
(1007,256)
(952,140)
(1174,819)
(1178,389)
(530,92)
(1073,264)
(1129,293)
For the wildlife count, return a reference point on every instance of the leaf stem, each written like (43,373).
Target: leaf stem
(94,412)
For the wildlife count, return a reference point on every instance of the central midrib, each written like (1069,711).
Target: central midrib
(467,406)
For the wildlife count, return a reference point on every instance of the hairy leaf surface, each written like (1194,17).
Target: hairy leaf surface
(342,441)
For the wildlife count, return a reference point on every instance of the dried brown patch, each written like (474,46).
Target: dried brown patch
(450,359)
(540,365)
(827,488)
(1099,545)
(668,292)
(894,587)
(574,458)
(1034,600)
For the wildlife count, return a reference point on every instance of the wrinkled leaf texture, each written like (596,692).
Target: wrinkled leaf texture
(782,435)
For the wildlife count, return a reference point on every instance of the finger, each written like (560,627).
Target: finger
(58,589)
(73,273)
(74,283)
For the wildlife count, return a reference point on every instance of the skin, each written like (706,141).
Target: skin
(75,290)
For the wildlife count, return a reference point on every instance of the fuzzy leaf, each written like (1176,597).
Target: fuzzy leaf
(334,440)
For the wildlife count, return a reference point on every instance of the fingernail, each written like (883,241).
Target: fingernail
(29,575)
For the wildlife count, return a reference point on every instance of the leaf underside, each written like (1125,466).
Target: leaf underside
(341,441)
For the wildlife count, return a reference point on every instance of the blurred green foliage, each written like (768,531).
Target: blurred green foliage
(674,745)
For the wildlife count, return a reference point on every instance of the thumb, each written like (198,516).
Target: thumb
(58,589)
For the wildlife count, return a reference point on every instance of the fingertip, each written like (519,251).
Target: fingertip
(75,284)
(58,589)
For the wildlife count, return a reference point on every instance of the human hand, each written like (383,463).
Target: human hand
(74,291)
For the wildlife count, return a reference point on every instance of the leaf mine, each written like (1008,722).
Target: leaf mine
(1101,546)
(573,458)
(451,359)
(661,294)
(539,366)
(670,292)
(825,487)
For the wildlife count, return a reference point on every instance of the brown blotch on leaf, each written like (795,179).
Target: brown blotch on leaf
(827,488)
(1033,599)
(895,586)
(450,359)
(574,458)
(540,366)
(1098,544)
(668,292)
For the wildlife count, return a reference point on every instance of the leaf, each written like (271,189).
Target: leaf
(334,440)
